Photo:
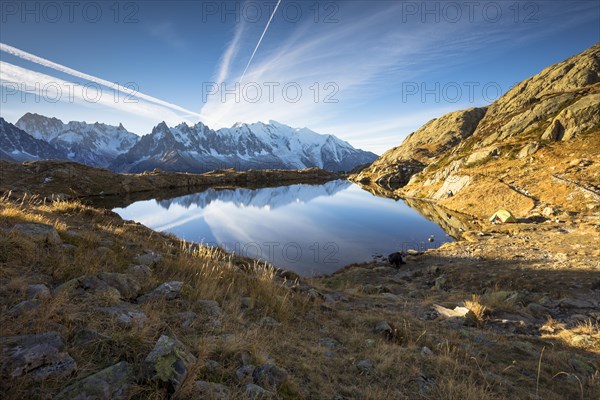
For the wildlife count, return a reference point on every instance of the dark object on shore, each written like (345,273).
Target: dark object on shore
(396,259)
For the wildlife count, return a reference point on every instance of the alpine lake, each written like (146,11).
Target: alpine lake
(309,229)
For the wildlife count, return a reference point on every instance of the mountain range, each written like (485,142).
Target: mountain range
(182,148)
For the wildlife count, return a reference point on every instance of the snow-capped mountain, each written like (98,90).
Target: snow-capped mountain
(92,144)
(194,148)
(198,148)
(258,198)
(18,145)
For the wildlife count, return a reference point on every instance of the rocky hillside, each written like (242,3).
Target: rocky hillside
(421,148)
(95,307)
(551,115)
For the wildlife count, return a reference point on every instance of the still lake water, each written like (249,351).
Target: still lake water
(309,229)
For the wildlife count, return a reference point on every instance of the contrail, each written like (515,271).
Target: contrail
(260,40)
(61,68)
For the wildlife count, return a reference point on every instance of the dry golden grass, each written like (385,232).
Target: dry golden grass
(462,363)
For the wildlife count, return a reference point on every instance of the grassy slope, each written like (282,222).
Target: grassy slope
(466,362)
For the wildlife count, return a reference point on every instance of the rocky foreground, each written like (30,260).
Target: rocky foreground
(94,307)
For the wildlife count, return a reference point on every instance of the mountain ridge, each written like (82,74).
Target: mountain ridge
(195,148)
(553,114)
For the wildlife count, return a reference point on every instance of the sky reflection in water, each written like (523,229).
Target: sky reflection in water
(309,229)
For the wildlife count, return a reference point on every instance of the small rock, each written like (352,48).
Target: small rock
(329,343)
(141,271)
(110,383)
(210,390)
(211,307)
(88,285)
(390,296)
(365,366)
(244,357)
(168,362)
(149,258)
(548,212)
(255,392)
(213,368)
(426,352)
(335,296)
(39,233)
(244,374)
(23,307)
(269,376)
(126,314)
(68,248)
(86,336)
(39,356)
(166,291)
(38,291)
(186,319)
(382,327)
(448,313)
(126,284)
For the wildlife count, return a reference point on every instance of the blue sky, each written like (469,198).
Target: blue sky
(369,72)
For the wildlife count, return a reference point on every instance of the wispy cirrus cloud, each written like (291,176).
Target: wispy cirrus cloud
(363,58)
(53,89)
(165,107)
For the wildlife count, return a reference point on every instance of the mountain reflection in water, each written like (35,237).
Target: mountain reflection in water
(309,229)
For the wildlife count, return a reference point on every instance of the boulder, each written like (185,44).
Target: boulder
(38,291)
(23,307)
(140,271)
(244,374)
(40,233)
(88,286)
(528,149)
(365,366)
(211,307)
(453,184)
(382,327)
(126,284)
(126,314)
(111,383)
(166,291)
(269,376)
(481,155)
(38,356)
(149,258)
(577,118)
(168,363)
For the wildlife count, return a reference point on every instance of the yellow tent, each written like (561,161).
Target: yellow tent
(502,217)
